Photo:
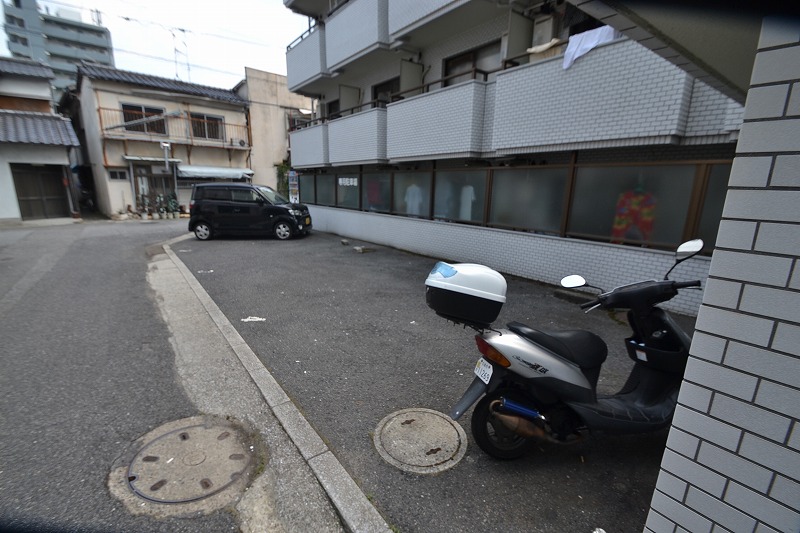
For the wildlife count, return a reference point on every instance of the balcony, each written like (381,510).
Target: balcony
(310,146)
(358,139)
(619,94)
(172,127)
(356,29)
(406,16)
(446,123)
(305,59)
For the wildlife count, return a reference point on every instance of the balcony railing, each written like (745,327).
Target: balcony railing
(174,126)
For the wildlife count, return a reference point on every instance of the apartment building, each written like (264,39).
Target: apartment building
(482,127)
(61,40)
(36,146)
(667,96)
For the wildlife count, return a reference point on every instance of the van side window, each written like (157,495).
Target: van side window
(217,193)
(245,195)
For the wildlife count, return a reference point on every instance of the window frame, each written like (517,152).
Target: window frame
(205,120)
(143,111)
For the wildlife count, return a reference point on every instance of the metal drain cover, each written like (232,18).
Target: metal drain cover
(189,463)
(420,440)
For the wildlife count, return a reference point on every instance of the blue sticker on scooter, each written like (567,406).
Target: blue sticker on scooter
(445,270)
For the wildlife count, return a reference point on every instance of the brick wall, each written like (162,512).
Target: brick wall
(733,455)
(527,255)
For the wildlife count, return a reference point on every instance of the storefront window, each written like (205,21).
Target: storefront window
(641,204)
(326,193)
(347,191)
(376,193)
(712,206)
(307,195)
(460,195)
(412,193)
(530,198)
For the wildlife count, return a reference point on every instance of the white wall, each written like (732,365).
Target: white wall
(26,154)
(539,257)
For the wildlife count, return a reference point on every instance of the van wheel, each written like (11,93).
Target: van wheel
(202,231)
(282,230)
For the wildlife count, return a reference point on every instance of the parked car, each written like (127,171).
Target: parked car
(244,208)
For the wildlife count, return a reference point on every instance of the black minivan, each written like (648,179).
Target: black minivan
(244,208)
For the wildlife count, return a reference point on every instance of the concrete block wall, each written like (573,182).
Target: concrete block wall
(733,454)
(357,138)
(538,257)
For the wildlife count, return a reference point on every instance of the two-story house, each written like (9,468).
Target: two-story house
(35,146)
(147,139)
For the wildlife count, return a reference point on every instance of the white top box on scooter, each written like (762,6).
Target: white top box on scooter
(466,293)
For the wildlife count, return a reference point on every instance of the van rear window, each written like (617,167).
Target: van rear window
(216,193)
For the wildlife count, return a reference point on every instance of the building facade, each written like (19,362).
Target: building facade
(60,40)
(146,140)
(36,146)
(471,131)
(273,111)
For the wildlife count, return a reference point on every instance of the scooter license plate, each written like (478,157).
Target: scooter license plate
(483,369)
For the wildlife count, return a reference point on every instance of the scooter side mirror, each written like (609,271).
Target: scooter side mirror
(684,252)
(573,281)
(688,249)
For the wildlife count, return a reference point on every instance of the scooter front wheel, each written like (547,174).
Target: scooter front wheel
(492,436)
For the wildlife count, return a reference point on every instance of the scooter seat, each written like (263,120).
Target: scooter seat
(583,348)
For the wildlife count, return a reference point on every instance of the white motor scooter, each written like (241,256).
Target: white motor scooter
(543,384)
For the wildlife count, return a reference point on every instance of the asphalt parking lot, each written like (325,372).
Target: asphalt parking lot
(349,337)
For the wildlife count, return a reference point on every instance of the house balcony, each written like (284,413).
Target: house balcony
(97,39)
(359,138)
(309,146)
(446,123)
(99,55)
(310,8)
(356,29)
(619,94)
(172,127)
(305,59)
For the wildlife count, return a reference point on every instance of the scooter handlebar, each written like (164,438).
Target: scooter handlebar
(638,295)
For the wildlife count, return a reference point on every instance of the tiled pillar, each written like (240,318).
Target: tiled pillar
(733,455)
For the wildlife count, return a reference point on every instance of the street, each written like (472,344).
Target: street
(88,367)
(350,338)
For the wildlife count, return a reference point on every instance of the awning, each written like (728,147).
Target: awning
(147,159)
(193,171)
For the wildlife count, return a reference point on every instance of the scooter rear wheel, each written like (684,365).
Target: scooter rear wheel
(492,436)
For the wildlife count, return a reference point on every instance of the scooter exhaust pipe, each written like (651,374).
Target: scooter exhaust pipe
(519,419)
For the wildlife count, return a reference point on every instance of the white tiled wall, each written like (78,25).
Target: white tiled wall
(733,454)
(538,257)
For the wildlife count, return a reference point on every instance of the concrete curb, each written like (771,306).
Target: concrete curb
(355,510)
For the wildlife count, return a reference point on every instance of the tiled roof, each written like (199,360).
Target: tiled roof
(102,72)
(23,67)
(27,127)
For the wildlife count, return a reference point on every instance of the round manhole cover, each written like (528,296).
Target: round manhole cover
(419,440)
(189,463)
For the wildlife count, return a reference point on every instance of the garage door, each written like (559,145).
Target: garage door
(40,191)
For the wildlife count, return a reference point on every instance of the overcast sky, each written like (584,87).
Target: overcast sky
(207,42)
